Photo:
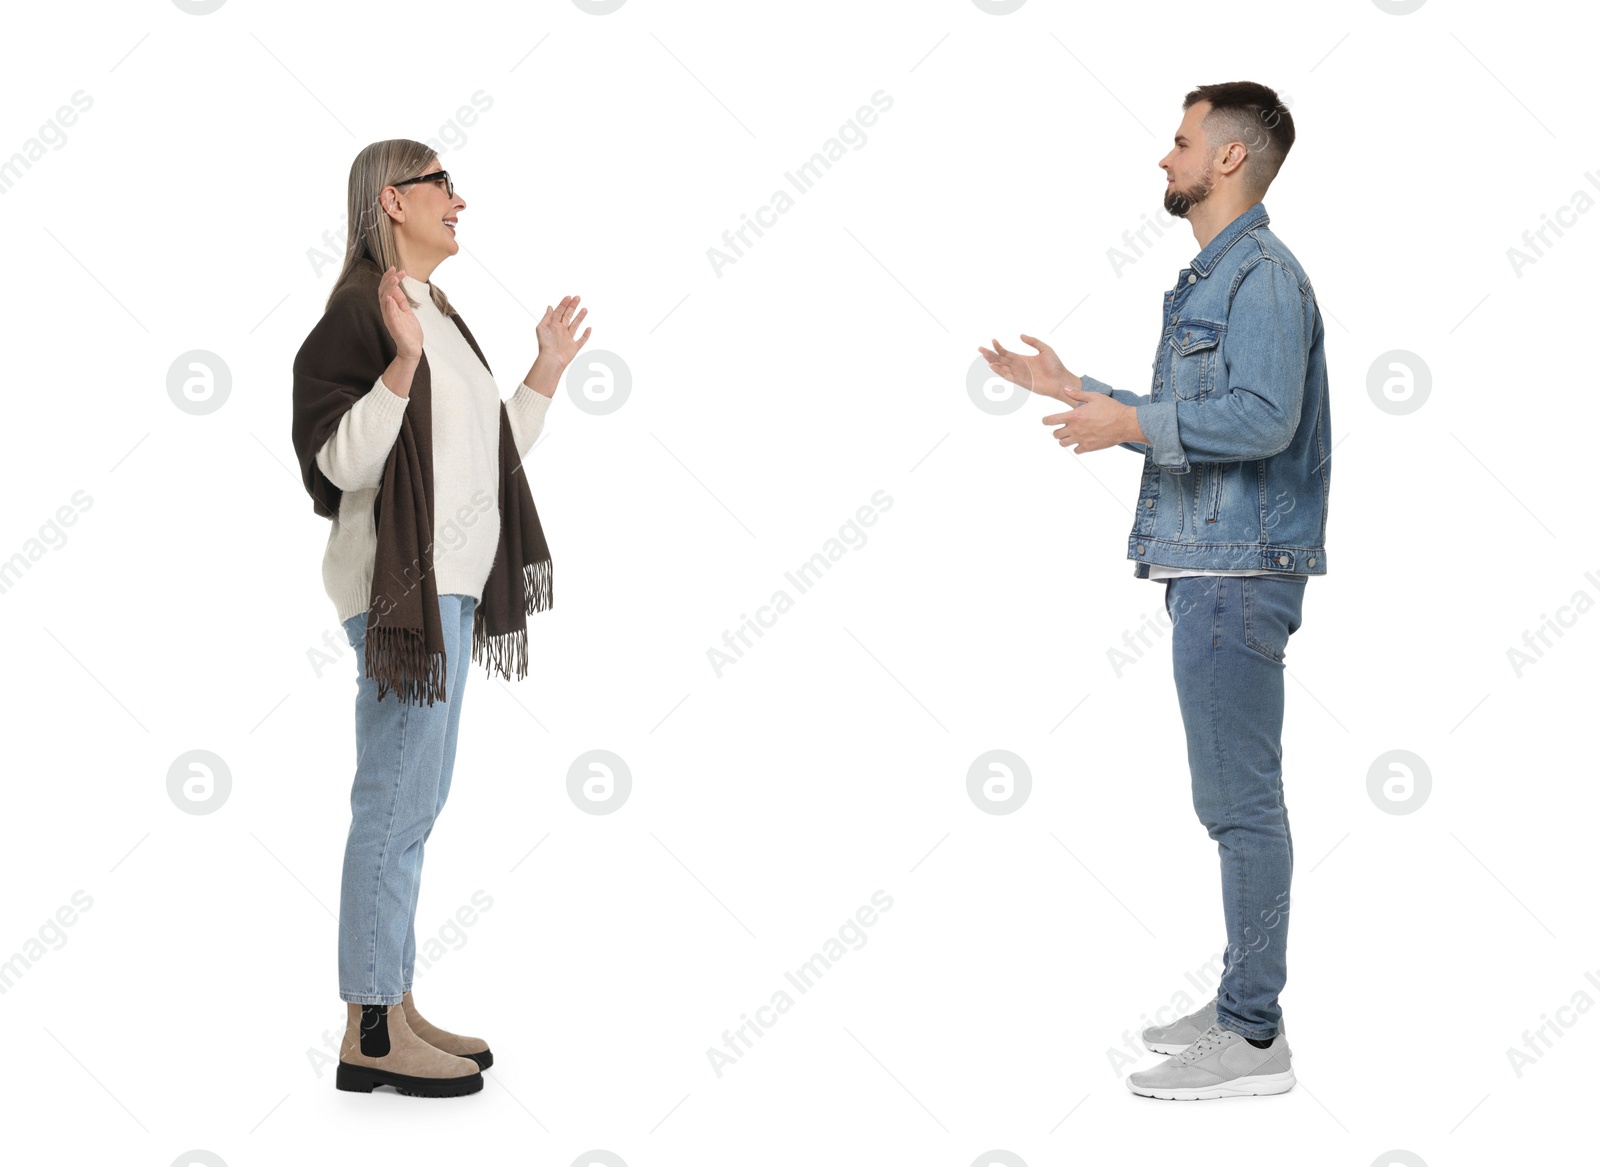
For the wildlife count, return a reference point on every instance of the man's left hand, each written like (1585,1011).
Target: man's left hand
(1097,422)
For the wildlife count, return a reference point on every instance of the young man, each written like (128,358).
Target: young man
(1231,516)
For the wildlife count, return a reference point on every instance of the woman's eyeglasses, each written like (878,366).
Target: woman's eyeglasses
(437,176)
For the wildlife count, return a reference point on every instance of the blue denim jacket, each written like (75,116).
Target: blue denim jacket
(1237,415)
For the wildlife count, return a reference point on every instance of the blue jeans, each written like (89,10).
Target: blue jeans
(1228,639)
(404,757)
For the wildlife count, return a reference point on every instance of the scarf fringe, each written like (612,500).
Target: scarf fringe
(508,652)
(538,586)
(395,660)
(500,653)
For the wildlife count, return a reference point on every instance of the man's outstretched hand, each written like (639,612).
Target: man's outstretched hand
(1041,372)
(1096,422)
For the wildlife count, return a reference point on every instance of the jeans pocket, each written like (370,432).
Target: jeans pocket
(1271,613)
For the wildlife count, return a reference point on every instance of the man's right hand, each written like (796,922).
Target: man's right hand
(1042,373)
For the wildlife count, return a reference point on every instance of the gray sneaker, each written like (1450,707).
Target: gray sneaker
(1182,1033)
(1220,1064)
(1185,1031)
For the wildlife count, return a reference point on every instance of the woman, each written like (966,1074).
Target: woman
(436,548)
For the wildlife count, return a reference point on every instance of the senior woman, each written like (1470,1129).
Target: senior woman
(435,550)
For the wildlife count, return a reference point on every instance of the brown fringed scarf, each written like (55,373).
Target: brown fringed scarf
(341,359)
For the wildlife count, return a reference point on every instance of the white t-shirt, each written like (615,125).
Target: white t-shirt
(1159,572)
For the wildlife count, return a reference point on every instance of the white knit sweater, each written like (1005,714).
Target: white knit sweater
(466,465)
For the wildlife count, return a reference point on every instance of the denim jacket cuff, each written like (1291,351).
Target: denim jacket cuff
(1090,385)
(1159,421)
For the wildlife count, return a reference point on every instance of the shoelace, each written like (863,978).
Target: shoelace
(1206,1043)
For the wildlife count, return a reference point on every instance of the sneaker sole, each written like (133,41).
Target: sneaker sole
(1238,1088)
(362,1079)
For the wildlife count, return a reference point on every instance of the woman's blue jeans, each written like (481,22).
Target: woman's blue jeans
(1229,634)
(404,757)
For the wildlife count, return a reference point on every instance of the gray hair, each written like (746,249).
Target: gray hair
(370,233)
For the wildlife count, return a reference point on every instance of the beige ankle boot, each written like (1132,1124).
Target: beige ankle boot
(452,1043)
(386,1053)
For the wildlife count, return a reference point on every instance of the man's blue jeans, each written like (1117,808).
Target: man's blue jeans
(1229,634)
(404,758)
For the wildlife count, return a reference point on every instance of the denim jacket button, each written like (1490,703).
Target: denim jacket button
(1312,562)
(1150,502)
(1191,277)
(1283,560)
(1141,549)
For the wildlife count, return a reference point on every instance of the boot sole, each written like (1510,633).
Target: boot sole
(362,1079)
(1238,1088)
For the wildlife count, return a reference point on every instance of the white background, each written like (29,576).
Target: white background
(186,1008)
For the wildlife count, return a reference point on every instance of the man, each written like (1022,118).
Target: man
(1231,516)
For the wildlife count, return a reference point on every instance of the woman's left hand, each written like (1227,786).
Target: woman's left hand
(557,342)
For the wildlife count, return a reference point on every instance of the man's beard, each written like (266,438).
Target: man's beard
(1179,202)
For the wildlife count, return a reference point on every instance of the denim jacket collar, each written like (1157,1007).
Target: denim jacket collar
(1256,216)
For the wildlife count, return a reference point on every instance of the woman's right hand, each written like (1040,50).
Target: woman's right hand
(398,317)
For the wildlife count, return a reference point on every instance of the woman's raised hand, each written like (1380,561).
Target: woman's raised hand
(557,343)
(398,317)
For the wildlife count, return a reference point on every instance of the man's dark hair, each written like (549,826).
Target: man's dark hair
(1242,111)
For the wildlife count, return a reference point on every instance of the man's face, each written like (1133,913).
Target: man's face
(1188,164)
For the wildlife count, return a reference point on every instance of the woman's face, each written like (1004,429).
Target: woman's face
(428,228)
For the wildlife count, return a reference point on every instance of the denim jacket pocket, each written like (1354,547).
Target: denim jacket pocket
(1212,475)
(1194,358)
